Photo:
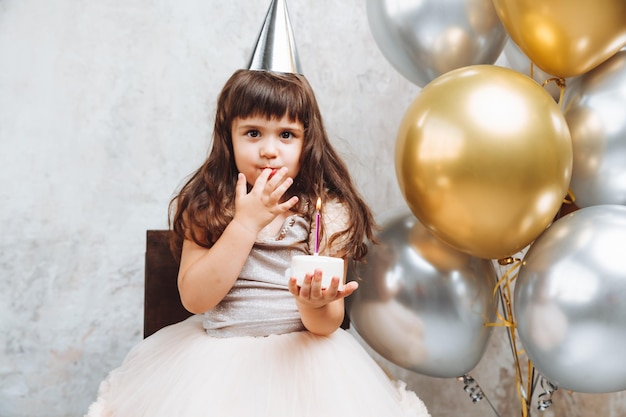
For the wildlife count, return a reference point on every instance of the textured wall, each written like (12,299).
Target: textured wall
(105,106)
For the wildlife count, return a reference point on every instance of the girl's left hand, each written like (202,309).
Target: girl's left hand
(311,293)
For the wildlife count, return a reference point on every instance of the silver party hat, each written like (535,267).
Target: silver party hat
(276,47)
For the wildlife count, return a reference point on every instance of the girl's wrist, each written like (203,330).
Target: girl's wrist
(302,305)
(250,230)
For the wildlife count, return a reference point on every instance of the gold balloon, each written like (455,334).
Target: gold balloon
(484,158)
(565,38)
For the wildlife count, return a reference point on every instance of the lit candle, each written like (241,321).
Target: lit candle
(318,216)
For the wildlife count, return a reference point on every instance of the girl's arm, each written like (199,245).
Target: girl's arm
(322,311)
(206,275)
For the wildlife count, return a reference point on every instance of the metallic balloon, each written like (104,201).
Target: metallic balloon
(421,304)
(483,159)
(565,37)
(570,301)
(595,110)
(427,38)
(518,61)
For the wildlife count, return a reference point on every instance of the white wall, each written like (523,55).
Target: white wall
(105,106)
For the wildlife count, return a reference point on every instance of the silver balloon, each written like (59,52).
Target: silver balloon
(595,110)
(422,304)
(518,61)
(570,301)
(427,38)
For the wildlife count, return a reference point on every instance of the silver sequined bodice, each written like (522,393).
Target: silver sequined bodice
(259,303)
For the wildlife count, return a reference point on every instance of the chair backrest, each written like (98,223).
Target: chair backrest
(162,305)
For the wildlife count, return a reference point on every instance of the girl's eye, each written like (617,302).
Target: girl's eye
(286,135)
(254,133)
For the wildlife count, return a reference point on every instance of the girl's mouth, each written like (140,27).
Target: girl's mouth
(274,170)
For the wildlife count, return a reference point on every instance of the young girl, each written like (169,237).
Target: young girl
(259,344)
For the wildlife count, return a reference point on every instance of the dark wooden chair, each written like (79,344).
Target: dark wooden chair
(162,305)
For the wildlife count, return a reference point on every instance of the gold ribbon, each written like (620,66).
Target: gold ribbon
(559,81)
(570,198)
(506,319)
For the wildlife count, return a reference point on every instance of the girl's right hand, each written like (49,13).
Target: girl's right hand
(256,209)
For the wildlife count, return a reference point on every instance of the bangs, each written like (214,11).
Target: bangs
(271,96)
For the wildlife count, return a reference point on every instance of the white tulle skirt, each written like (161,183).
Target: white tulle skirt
(181,371)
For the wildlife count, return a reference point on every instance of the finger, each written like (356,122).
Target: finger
(262,179)
(287,205)
(348,289)
(305,289)
(316,285)
(281,188)
(333,288)
(293,286)
(278,177)
(279,183)
(241,188)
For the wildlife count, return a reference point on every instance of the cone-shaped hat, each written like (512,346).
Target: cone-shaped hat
(276,47)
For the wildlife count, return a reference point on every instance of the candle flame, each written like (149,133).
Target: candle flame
(318,205)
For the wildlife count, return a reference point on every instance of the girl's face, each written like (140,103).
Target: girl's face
(260,143)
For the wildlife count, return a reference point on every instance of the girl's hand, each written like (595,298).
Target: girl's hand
(257,208)
(311,294)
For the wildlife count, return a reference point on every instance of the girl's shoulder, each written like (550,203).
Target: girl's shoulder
(335,215)
(335,218)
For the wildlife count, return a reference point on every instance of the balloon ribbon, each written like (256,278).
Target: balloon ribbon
(476,393)
(570,198)
(560,82)
(506,319)
(545,398)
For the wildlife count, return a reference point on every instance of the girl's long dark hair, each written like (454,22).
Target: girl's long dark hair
(205,204)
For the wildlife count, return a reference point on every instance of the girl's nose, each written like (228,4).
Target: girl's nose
(269,149)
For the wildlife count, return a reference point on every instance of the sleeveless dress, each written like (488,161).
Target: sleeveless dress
(251,356)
